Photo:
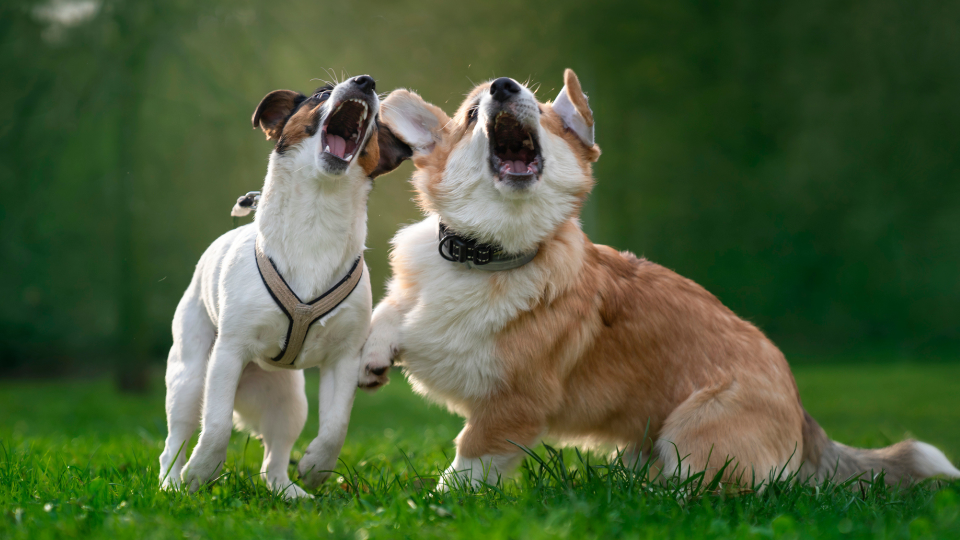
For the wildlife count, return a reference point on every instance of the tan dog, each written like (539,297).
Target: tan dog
(569,339)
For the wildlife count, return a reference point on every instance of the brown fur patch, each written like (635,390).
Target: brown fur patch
(302,125)
(272,112)
(576,95)
(370,157)
(621,347)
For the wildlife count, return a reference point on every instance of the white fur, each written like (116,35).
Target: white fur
(473,202)
(472,472)
(572,117)
(932,462)
(417,125)
(442,318)
(312,224)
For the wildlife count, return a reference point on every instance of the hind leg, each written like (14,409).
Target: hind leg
(273,405)
(757,430)
(193,335)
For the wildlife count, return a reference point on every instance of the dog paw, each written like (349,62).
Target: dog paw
(292,491)
(200,471)
(315,468)
(171,482)
(375,361)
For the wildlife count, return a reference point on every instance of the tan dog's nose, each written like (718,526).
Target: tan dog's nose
(504,88)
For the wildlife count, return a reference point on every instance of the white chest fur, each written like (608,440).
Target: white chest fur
(313,229)
(448,338)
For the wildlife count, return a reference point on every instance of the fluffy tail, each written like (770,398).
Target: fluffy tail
(908,461)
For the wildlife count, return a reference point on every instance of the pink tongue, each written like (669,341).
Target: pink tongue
(519,167)
(337,145)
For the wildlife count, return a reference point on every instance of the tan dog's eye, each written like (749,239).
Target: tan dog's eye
(472,114)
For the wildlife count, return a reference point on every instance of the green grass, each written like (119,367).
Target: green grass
(78,459)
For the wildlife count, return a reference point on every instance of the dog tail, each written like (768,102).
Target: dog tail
(907,461)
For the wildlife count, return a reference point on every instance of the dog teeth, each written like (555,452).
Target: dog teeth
(326,148)
(348,158)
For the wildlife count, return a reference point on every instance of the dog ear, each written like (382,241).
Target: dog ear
(274,110)
(413,121)
(571,105)
(393,151)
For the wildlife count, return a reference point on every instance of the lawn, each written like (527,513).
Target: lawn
(80,460)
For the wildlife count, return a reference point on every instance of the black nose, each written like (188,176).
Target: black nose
(379,371)
(365,83)
(504,88)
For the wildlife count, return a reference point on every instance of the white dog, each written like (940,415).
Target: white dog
(231,338)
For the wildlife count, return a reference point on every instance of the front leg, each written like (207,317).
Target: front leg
(338,386)
(383,342)
(223,374)
(485,447)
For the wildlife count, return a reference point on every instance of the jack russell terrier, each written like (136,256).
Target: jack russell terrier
(287,292)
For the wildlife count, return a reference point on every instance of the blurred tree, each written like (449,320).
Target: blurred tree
(796,158)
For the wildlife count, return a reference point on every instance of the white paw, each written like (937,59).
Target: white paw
(375,361)
(315,468)
(201,470)
(453,479)
(171,482)
(292,491)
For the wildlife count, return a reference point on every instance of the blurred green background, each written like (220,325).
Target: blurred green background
(797,158)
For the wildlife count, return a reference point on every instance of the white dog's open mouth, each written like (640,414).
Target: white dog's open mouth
(345,129)
(514,150)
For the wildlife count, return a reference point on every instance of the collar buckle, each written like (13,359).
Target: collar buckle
(463,250)
(473,254)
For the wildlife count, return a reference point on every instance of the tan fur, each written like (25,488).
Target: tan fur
(587,154)
(619,350)
(577,96)
(824,458)
(626,341)
(302,125)
(370,157)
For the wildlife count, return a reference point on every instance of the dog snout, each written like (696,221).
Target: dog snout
(365,83)
(377,370)
(504,88)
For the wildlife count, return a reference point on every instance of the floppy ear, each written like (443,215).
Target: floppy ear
(413,121)
(571,105)
(393,151)
(274,110)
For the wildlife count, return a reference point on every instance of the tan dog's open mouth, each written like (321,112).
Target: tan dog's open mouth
(345,129)
(514,150)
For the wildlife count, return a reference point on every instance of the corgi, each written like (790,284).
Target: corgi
(237,356)
(501,309)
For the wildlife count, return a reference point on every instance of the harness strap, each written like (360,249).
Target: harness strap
(302,315)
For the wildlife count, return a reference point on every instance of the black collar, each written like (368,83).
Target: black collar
(473,254)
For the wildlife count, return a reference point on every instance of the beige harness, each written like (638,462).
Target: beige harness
(302,315)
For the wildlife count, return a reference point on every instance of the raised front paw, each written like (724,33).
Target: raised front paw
(201,470)
(375,361)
